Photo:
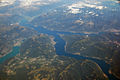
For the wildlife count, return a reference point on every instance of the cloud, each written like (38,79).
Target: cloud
(75,8)
(28,3)
(6,2)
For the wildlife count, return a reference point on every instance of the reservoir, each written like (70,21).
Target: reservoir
(59,46)
(60,43)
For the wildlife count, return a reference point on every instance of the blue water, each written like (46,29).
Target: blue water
(14,52)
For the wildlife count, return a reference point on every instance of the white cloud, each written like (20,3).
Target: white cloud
(28,3)
(75,8)
(6,2)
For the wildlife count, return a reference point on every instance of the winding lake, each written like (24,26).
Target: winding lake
(60,43)
(60,50)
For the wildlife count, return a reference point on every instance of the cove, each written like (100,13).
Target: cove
(14,52)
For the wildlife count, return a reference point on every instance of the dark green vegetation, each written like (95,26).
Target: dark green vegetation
(38,61)
(105,46)
(11,36)
(115,65)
